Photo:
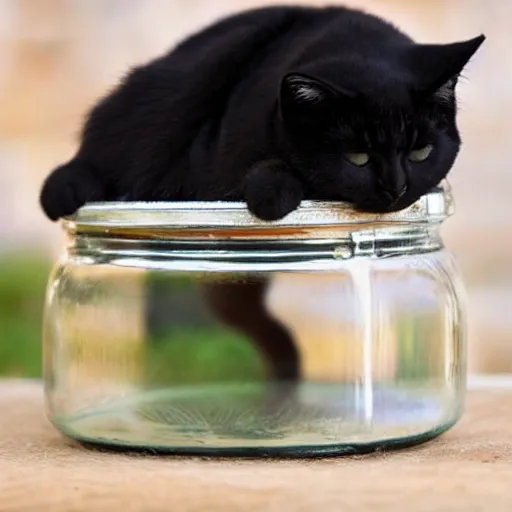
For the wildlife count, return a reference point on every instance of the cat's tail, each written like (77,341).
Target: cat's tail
(69,187)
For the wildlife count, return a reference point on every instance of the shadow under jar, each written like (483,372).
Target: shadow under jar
(196,328)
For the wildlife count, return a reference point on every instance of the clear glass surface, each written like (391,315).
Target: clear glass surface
(256,347)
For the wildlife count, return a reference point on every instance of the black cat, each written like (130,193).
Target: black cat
(273,106)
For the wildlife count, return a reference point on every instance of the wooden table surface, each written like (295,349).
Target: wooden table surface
(467,469)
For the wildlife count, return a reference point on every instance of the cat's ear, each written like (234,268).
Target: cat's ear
(304,98)
(446,92)
(438,66)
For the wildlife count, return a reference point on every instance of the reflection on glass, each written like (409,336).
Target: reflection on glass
(367,354)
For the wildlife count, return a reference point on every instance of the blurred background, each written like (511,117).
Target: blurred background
(57,57)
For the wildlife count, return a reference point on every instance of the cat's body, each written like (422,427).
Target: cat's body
(273,106)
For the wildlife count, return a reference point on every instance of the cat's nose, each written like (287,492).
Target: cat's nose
(393,190)
(392,178)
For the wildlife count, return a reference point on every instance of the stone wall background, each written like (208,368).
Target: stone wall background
(58,56)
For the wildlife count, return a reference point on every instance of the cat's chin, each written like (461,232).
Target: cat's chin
(382,207)
(373,207)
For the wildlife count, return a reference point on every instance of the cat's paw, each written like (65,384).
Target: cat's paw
(68,188)
(271,191)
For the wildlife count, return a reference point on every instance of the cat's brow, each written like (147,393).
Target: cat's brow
(380,131)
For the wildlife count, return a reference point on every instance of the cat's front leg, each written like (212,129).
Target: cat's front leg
(69,187)
(271,190)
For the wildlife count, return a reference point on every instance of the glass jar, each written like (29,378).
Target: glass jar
(196,328)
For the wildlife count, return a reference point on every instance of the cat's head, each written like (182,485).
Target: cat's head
(380,132)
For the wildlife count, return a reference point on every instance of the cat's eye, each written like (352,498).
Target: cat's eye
(358,159)
(420,155)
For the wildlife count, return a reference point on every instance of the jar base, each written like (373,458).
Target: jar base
(263,420)
(294,452)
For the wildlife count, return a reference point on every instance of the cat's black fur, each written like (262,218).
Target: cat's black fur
(267,106)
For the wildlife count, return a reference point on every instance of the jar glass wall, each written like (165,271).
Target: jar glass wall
(195,328)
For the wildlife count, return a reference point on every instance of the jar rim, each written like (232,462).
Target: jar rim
(434,207)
